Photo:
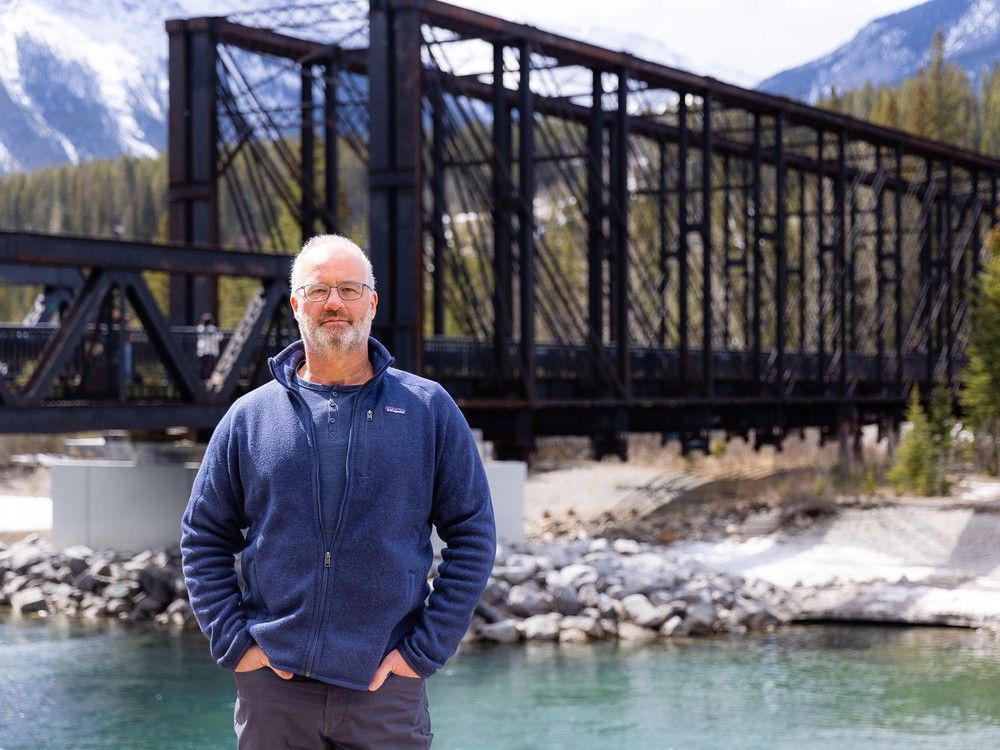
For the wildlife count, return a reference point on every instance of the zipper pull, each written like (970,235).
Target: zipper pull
(326,560)
(369,415)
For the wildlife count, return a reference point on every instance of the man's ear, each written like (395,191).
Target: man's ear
(293,300)
(374,302)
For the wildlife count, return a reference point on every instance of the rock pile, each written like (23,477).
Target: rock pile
(36,579)
(585,590)
(570,591)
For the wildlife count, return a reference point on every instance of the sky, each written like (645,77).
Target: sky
(740,41)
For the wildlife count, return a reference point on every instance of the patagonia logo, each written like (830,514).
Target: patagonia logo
(395,410)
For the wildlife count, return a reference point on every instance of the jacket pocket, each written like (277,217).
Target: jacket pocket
(253,599)
(367,429)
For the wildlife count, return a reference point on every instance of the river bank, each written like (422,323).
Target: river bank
(871,557)
(632,552)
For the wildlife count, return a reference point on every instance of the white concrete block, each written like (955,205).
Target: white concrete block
(118,505)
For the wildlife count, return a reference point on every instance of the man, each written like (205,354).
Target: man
(337,469)
(207,340)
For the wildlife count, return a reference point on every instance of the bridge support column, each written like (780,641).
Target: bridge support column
(613,439)
(513,436)
(193,176)
(395,182)
(849,438)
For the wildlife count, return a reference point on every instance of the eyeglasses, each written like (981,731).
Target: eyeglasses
(348,291)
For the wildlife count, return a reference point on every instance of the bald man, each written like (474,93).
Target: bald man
(337,469)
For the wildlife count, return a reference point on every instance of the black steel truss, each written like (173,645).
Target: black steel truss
(574,240)
(99,368)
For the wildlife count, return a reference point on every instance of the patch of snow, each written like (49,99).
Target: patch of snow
(980,22)
(12,21)
(7,161)
(25,513)
(118,71)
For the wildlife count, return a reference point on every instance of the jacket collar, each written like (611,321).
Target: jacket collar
(284,364)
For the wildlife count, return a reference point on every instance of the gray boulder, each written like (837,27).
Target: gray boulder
(529,599)
(670,626)
(588,595)
(496,591)
(575,575)
(587,625)
(629,631)
(28,601)
(641,611)
(699,619)
(564,598)
(541,627)
(504,631)
(573,635)
(626,546)
(119,590)
(158,584)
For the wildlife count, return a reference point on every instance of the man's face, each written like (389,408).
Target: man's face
(333,327)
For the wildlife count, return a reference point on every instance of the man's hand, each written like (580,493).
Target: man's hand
(255,658)
(395,663)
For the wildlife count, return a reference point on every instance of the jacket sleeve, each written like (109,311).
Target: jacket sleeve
(210,538)
(463,516)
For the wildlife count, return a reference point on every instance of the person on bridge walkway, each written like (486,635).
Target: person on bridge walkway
(208,338)
(337,469)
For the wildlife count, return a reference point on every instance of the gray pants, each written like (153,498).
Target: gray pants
(276,713)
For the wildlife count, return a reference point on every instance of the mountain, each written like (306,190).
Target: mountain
(893,48)
(86,79)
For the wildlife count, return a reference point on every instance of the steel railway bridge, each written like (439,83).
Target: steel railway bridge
(574,241)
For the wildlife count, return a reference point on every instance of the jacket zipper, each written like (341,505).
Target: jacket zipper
(322,531)
(328,556)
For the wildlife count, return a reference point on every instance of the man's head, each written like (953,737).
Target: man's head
(333,326)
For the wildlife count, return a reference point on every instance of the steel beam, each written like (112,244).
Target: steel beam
(502,186)
(307,155)
(29,249)
(192,135)
(758,255)
(595,212)
(565,51)
(396,176)
(439,207)
(839,265)
(683,225)
(526,218)
(331,149)
(707,375)
(619,240)
(780,251)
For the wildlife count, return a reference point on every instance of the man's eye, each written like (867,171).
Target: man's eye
(317,292)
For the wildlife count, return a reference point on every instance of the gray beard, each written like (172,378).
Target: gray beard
(330,341)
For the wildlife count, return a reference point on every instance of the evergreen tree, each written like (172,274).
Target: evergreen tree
(940,103)
(915,469)
(989,115)
(981,380)
(941,424)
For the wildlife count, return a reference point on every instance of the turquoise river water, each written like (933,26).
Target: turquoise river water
(107,685)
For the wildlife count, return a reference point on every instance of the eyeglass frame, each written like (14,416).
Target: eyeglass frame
(330,288)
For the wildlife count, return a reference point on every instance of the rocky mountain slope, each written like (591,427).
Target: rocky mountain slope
(893,48)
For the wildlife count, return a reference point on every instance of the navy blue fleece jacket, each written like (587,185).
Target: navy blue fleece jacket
(331,602)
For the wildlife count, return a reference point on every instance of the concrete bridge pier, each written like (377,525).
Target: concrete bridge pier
(129,495)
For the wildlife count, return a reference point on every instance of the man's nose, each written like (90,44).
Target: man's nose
(334,302)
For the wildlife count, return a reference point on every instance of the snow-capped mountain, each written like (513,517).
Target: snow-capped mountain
(895,47)
(85,79)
